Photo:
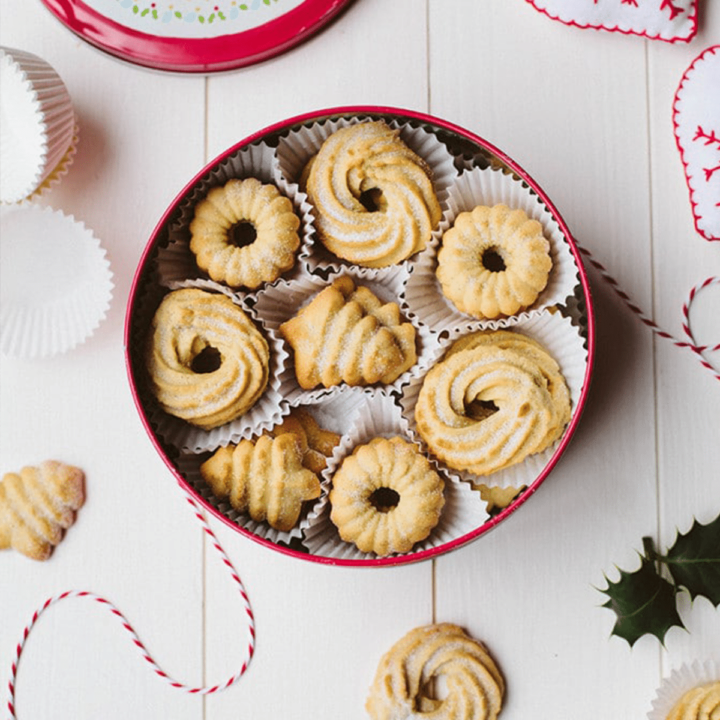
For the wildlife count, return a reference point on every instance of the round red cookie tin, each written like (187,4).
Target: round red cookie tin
(464,165)
(211,36)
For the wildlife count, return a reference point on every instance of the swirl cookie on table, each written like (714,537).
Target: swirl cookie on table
(441,652)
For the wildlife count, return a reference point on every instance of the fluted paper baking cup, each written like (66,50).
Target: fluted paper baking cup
(560,337)
(38,128)
(266,412)
(55,281)
(60,171)
(295,149)
(463,511)
(176,262)
(278,303)
(681,680)
(479,186)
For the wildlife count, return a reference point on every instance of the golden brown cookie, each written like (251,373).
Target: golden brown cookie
(436,653)
(699,703)
(317,444)
(37,506)
(207,362)
(346,334)
(493,400)
(244,233)
(373,196)
(493,261)
(386,497)
(264,478)
(498,498)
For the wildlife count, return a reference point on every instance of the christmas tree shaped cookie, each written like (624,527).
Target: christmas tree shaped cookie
(264,478)
(37,505)
(346,334)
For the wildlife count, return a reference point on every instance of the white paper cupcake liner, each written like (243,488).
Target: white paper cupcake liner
(423,292)
(680,681)
(266,412)
(176,262)
(55,282)
(38,127)
(280,302)
(380,416)
(561,339)
(295,150)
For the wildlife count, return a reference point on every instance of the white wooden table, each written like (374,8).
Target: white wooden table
(588,115)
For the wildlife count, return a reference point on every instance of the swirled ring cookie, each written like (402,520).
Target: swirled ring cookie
(493,261)
(386,497)
(374,198)
(244,233)
(446,653)
(207,362)
(494,399)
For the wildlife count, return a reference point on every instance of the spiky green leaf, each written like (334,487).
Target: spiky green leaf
(644,603)
(694,560)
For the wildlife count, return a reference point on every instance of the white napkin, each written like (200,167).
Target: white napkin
(669,20)
(696,119)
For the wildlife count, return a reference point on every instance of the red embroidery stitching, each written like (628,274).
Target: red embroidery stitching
(710,139)
(674,9)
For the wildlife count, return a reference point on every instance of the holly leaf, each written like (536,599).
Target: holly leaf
(644,603)
(694,560)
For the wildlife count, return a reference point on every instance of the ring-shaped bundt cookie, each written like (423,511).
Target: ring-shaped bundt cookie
(445,653)
(489,405)
(207,362)
(257,209)
(374,198)
(386,497)
(493,261)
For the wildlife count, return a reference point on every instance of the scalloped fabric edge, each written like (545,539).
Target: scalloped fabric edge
(680,24)
(699,142)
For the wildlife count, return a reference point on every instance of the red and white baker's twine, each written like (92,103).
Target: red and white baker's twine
(699,350)
(133,635)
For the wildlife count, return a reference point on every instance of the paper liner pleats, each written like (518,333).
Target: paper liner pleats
(380,416)
(299,146)
(55,282)
(266,412)
(682,679)
(39,132)
(561,339)
(478,186)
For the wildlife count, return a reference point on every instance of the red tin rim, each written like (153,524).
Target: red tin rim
(196,55)
(491,523)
